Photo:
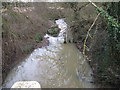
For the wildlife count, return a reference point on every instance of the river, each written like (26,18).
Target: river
(58,65)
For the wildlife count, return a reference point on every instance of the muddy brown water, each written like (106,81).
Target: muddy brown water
(58,65)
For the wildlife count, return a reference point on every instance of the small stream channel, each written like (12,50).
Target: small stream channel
(58,65)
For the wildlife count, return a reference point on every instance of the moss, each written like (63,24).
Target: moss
(53,31)
(38,38)
(27,48)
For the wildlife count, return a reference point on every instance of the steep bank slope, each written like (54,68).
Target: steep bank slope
(23,29)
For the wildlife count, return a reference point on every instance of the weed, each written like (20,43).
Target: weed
(38,38)
(27,48)
(53,31)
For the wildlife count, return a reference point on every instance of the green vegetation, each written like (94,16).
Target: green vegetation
(102,46)
(103,42)
(38,38)
(77,23)
(27,49)
(109,62)
(53,31)
(19,32)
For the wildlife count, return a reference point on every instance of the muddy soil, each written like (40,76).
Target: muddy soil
(20,27)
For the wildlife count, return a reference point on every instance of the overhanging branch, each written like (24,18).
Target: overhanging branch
(83,6)
(84,45)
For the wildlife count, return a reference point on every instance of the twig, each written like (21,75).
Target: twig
(88,33)
(83,6)
(94,4)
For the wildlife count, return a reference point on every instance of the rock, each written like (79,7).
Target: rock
(26,84)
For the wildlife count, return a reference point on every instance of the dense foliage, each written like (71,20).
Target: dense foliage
(106,55)
(109,71)
(104,46)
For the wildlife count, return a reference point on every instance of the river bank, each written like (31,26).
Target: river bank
(24,28)
(54,62)
(22,33)
(23,40)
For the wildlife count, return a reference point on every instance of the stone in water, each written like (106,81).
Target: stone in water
(26,84)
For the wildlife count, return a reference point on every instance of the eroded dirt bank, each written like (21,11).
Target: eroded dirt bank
(25,26)
(23,31)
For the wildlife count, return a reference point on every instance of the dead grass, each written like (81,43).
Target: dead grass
(20,27)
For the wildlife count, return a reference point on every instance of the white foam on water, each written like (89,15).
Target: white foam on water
(28,70)
(43,64)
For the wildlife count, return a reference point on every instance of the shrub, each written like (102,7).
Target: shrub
(38,38)
(53,31)
(27,48)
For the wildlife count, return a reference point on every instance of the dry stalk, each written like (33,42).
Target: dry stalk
(94,4)
(84,46)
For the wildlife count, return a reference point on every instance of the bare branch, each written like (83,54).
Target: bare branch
(88,33)
(83,6)
(93,4)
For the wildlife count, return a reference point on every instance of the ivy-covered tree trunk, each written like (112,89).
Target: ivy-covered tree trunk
(112,48)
